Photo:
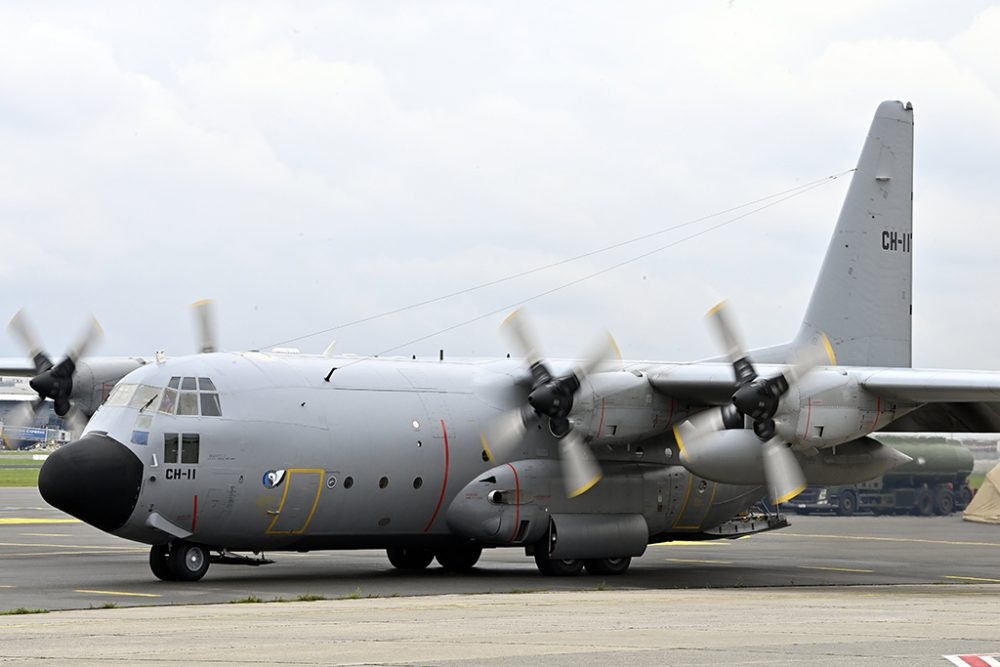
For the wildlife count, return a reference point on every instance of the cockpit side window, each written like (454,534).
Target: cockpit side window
(145,397)
(169,403)
(188,383)
(121,395)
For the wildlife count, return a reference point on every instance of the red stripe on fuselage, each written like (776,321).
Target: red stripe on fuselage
(194,517)
(517,501)
(444,484)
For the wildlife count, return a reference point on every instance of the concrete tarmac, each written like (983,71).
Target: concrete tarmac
(827,590)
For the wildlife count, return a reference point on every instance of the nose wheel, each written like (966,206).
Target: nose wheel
(179,561)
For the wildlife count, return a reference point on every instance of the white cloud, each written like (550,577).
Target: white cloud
(311,165)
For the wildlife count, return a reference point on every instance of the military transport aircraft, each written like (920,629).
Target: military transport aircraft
(580,463)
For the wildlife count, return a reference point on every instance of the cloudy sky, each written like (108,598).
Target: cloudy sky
(308,165)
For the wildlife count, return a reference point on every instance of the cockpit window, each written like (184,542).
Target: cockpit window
(210,405)
(188,404)
(145,397)
(121,394)
(169,403)
(188,401)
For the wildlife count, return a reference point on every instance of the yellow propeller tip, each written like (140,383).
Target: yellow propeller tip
(828,346)
(716,308)
(486,447)
(586,487)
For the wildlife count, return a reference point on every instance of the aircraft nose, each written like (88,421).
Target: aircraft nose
(96,479)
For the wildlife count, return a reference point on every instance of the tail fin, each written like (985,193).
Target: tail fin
(862,300)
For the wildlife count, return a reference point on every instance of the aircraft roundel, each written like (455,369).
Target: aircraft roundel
(273,478)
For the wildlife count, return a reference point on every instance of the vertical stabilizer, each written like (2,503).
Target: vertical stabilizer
(862,299)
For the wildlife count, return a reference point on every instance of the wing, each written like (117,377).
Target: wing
(953,401)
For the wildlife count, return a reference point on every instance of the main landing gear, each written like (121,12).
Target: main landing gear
(552,567)
(454,559)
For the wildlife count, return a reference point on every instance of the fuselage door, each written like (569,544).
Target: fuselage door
(298,503)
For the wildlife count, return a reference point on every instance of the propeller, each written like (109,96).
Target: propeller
(550,398)
(205,325)
(757,398)
(52,381)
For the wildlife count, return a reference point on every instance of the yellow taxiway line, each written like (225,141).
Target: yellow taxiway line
(105,547)
(19,521)
(134,595)
(992,581)
(695,560)
(888,539)
(834,569)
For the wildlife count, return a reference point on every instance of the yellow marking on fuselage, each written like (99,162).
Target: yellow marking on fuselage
(22,521)
(833,569)
(991,581)
(284,495)
(134,595)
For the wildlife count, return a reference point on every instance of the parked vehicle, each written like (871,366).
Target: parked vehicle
(934,482)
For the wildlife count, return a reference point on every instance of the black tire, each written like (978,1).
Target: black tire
(944,501)
(923,505)
(409,558)
(188,562)
(847,504)
(963,498)
(608,566)
(159,562)
(459,559)
(557,568)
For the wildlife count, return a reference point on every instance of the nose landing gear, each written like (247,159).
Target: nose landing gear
(179,561)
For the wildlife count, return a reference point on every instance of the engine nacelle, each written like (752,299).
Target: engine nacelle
(94,379)
(620,407)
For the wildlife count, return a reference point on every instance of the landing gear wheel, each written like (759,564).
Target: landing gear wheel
(557,568)
(963,498)
(188,562)
(409,558)
(944,501)
(159,563)
(848,504)
(608,566)
(924,503)
(459,559)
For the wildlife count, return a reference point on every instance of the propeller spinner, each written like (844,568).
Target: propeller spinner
(551,398)
(53,381)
